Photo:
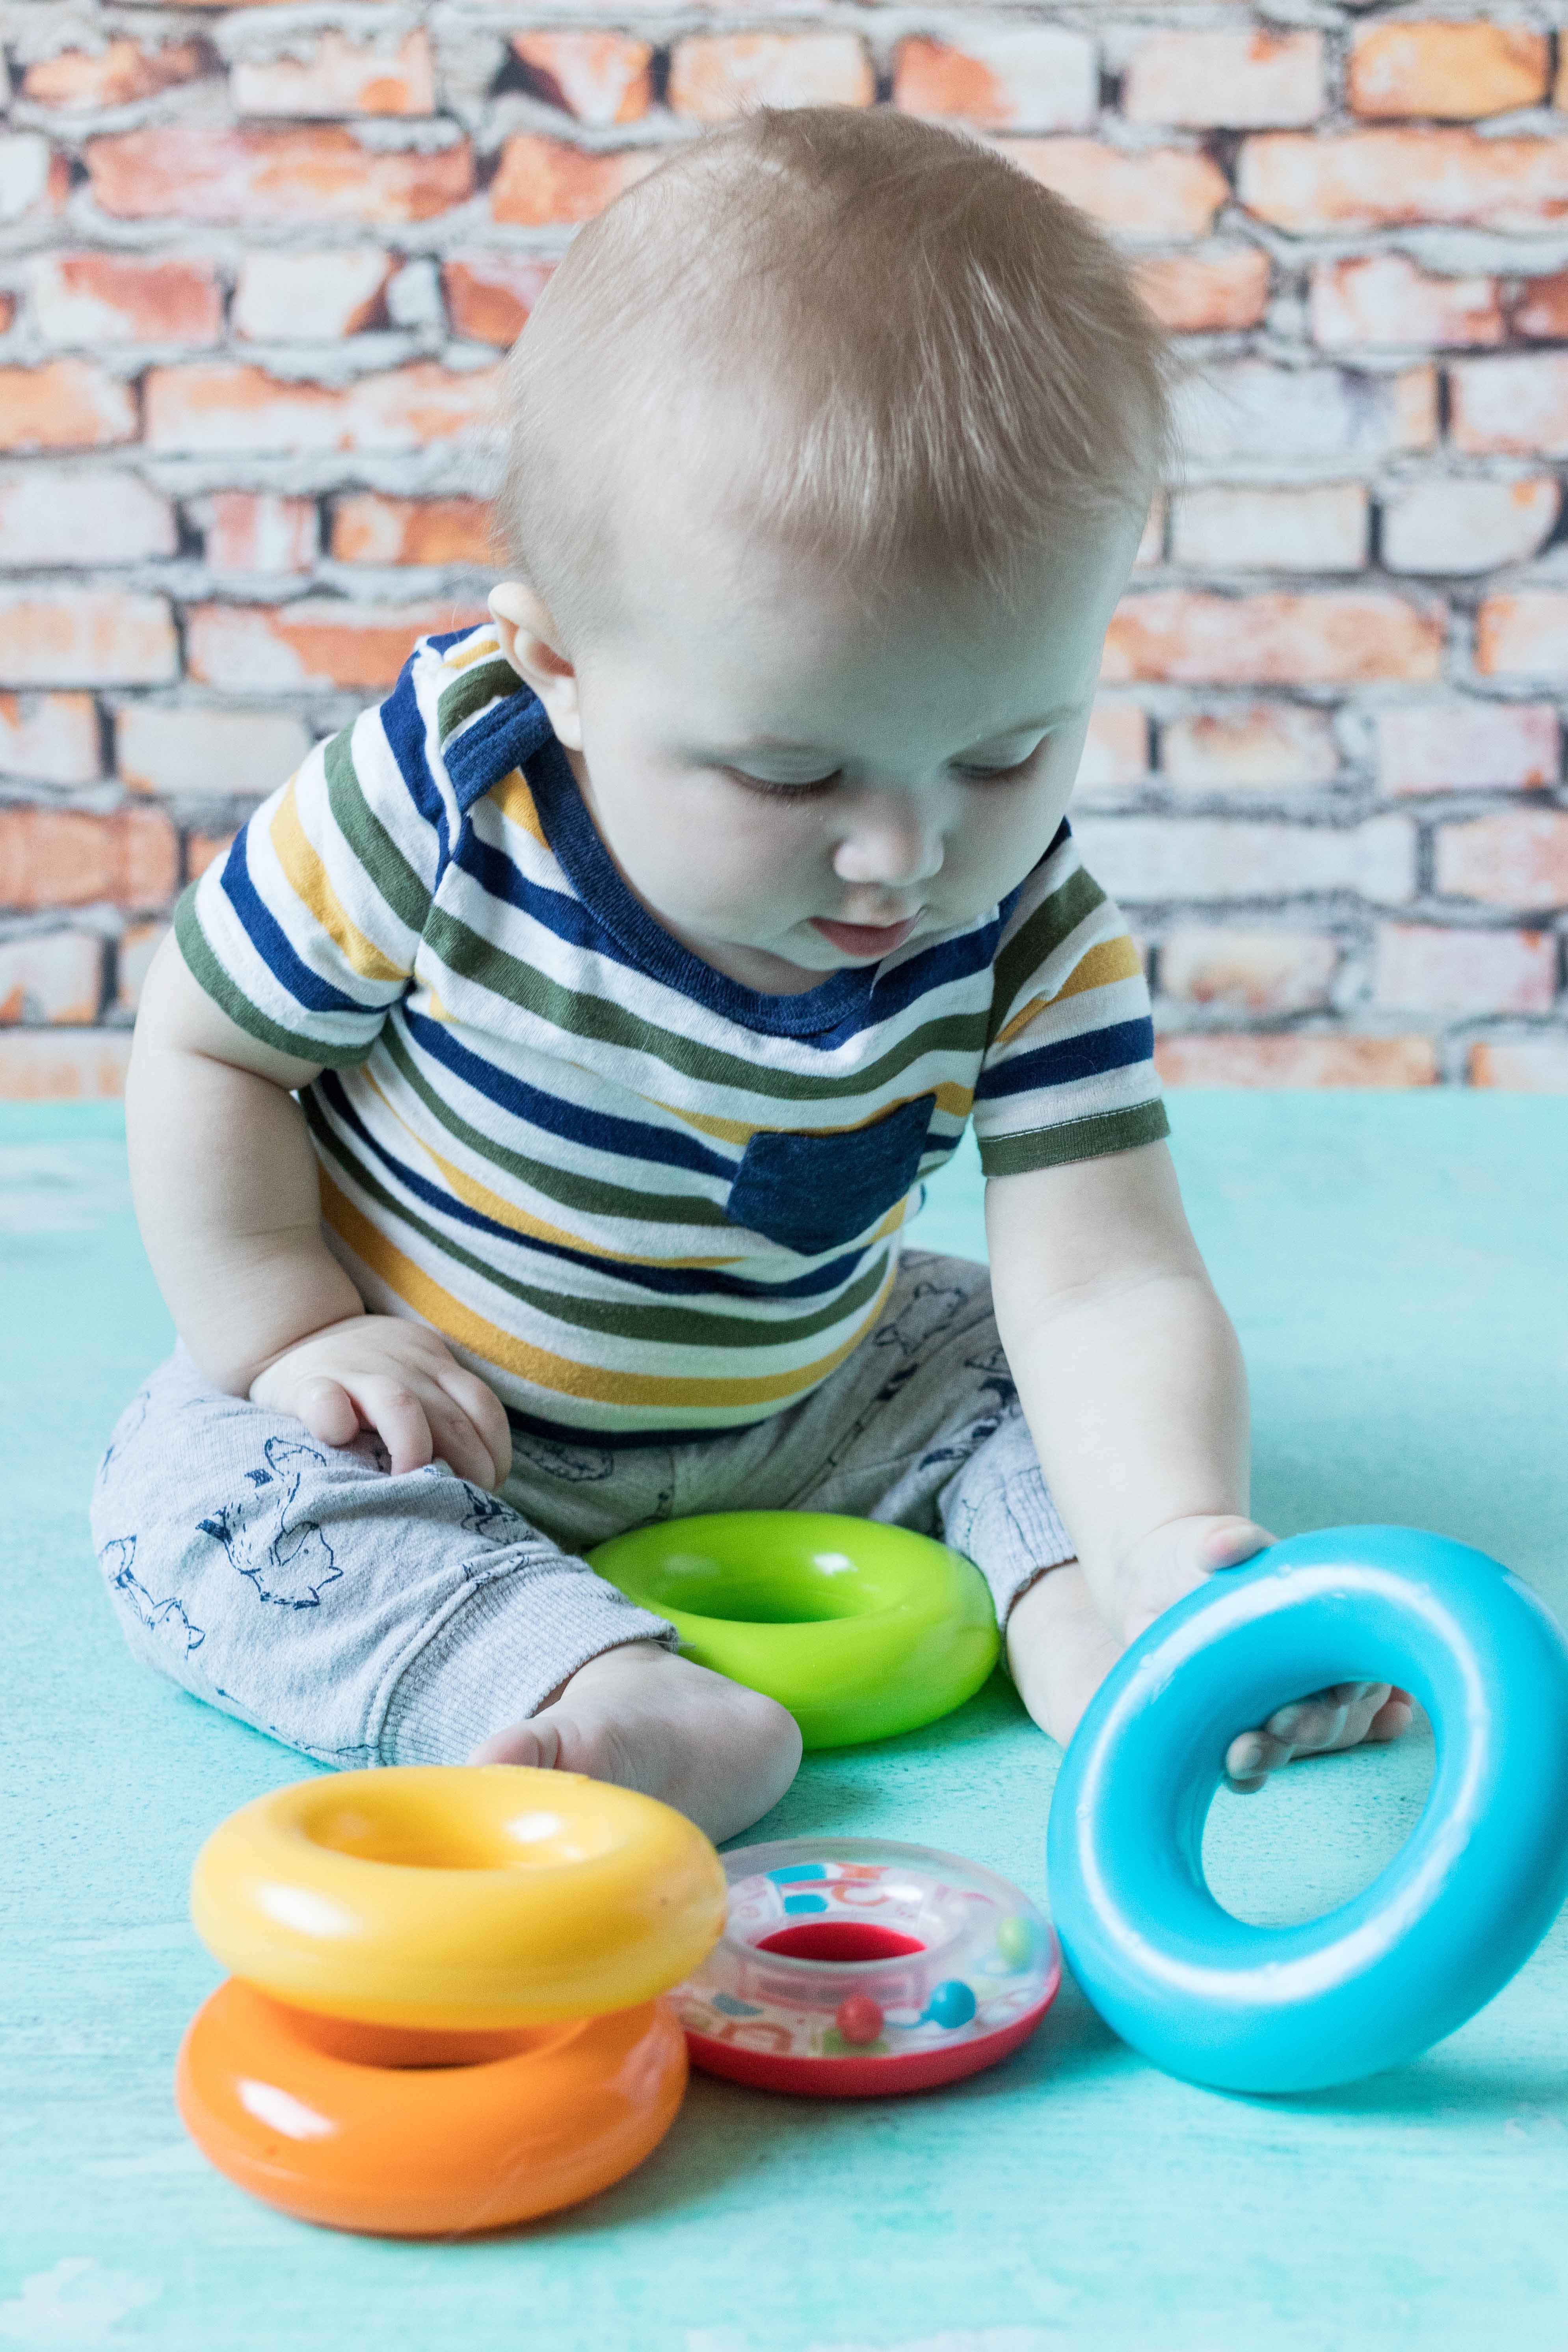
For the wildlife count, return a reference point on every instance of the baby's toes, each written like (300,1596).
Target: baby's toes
(532,1741)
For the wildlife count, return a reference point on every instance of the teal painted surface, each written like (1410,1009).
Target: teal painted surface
(1396,1266)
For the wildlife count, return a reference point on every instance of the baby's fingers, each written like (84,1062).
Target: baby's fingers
(327,1409)
(1339,1716)
(484,1411)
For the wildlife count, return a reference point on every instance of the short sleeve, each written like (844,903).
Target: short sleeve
(1068,1069)
(305,932)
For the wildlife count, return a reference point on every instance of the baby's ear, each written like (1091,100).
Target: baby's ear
(525,627)
(531,643)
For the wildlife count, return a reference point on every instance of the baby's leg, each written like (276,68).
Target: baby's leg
(367,1618)
(718,1752)
(922,1427)
(1059,1651)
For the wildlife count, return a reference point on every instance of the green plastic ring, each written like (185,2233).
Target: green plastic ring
(859,1630)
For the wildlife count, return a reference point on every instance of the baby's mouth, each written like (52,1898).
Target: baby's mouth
(865,938)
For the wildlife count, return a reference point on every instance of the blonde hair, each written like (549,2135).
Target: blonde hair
(932,355)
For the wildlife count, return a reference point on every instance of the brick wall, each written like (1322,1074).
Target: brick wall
(257,268)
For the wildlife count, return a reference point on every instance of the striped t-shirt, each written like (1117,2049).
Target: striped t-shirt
(639,1200)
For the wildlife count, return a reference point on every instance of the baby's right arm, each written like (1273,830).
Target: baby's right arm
(224,1180)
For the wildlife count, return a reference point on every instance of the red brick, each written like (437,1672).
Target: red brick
(1319,529)
(248,178)
(202,849)
(321,641)
(1516,858)
(1025,77)
(600,78)
(490,296)
(1250,409)
(33,180)
(1224,78)
(1543,312)
(1456,72)
(63,857)
(1427,968)
(85,636)
(46,509)
(137,945)
(51,976)
(220,407)
(1256,745)
(545,183)
(1525,1066)
(1382,300)
(338,76)
(1148,859)
(41,1066)
(190,751)
(1276,639)
(116,75)
(371,529)
(1466,526)
(715,76)
(1155,192)
(1377,179)
(257,530)
(298,296)
(1251,971)
(1215,1060)
(1116,749)
(1524,634)
(1466,747)
(90,298)
(1206,293)
(1512,406)
(50,738)
(65,404)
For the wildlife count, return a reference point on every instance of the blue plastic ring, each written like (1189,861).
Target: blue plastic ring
(1459,1908)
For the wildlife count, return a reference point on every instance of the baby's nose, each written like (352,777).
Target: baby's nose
(895,856)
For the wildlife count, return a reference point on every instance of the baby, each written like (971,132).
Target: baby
(524,1114)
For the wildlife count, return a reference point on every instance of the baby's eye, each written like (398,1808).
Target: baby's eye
(999,775)
(770,788)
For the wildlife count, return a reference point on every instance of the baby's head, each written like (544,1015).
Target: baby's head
(832,441)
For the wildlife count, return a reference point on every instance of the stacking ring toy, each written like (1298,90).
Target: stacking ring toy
(1440,1931)
(853,1967)
(457,1896)
(412,2042)
(859,1630)
(374,2129)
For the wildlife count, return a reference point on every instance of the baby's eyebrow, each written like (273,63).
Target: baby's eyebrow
(823,751)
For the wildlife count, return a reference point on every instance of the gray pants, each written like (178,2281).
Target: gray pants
(367,1619)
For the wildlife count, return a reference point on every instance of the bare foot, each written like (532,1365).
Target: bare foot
(646,1719)
(1059,1651)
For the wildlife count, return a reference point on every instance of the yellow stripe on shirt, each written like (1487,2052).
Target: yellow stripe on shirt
(1111,960)
(312,885)
(556,1374)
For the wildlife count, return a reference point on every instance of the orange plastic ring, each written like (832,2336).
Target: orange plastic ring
(404,2133)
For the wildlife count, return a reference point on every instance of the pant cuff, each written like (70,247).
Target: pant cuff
(497,1657)
(1015,1534)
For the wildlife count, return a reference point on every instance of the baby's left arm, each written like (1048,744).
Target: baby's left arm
(1129,1374)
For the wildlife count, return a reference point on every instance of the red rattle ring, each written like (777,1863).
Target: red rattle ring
(850,1967)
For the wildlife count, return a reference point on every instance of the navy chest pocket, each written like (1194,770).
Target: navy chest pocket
(815,1192)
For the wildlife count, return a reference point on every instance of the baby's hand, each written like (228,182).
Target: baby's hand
(400,1379)
(1174,1559)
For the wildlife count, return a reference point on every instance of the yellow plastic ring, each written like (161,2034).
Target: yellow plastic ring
(457,1897)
